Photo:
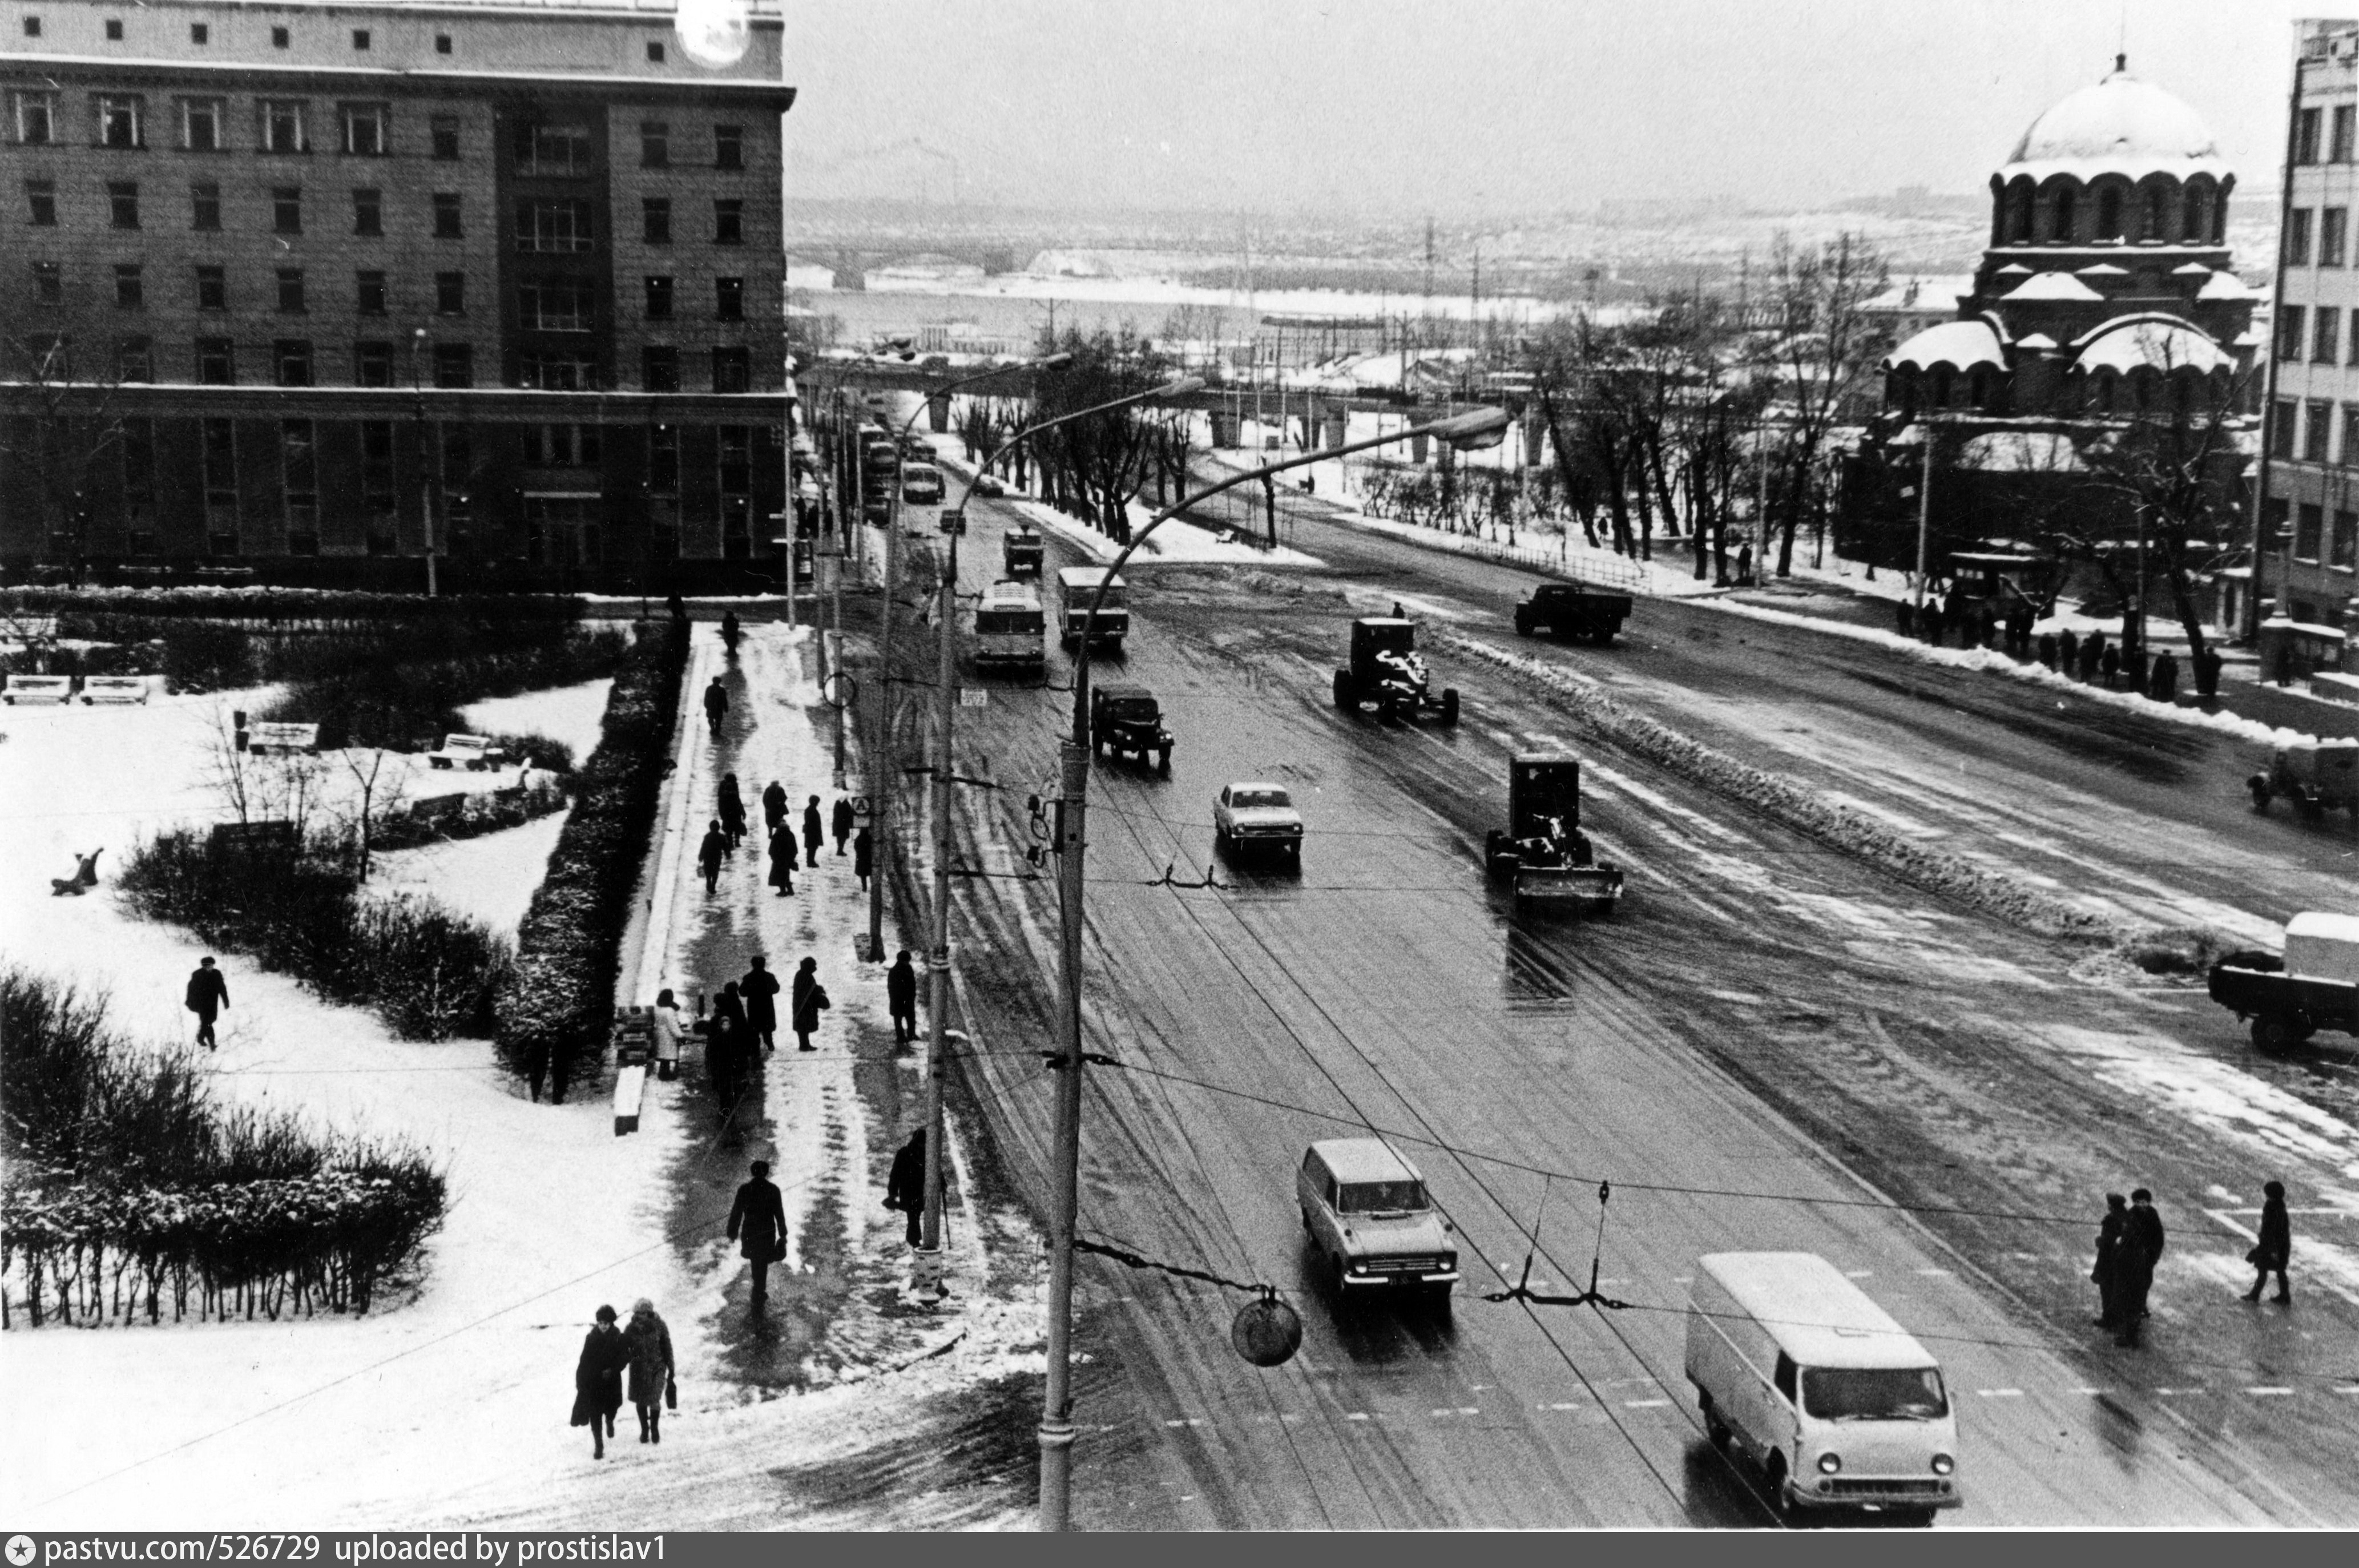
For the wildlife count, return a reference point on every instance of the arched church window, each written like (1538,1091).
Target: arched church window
(2220,219)
(2198,213)
(2019,204)
(2060,231)
(2109,213)
(1940,395)
(2155,229)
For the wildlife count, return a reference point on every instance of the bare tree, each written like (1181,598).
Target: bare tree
(53,449)
(1095,467)
(1823,344)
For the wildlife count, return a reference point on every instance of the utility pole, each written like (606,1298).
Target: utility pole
(881,776)
(1924,510)
(928,1271)
(2270,410)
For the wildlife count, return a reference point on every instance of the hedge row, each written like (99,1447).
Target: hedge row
(278,605)
(482,813)
(557,1008)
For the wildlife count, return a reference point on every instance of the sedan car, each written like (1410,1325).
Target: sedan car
(1257,816)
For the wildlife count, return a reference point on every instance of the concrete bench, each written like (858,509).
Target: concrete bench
(114,689)
(439,808)
(38,689)
(271,735)
(271,836)
(473,752)
(634,1042)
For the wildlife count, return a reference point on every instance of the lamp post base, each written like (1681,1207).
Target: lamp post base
(927,1270)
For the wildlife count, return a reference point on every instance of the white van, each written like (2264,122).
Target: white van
(1009,628)
(1076,587)
(1793,1364)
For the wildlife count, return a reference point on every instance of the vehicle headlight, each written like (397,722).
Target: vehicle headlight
(1829,1464)
(1943,1464)
(1359,1266)
(1450,1262)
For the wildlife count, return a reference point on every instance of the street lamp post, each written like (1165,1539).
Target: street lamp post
(1476,429)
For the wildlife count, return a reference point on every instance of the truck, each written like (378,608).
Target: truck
(2314,986)
(1076,587)
(1125,719)
(1019,549)
(1542,853)
(1386,671)
(2316,775)
(1572,610)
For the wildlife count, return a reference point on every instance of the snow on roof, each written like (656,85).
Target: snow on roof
(2122,119)
(2101,270)
(1923,293)
(2153,345)
(2225,285)
(2052,286)
(1964,345)
(2036,341)
(2191,269)
(2013,270)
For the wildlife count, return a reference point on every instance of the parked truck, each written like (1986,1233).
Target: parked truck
(1573,610)
(2314,986)
(1543,853)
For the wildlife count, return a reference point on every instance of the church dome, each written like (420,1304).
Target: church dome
(2122,123)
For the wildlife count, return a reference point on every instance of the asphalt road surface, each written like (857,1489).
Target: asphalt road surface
(1771,1045)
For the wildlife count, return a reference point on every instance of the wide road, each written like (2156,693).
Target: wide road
(1772,1045)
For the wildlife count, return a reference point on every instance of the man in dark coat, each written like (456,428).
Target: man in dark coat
(1904,619)
(905,1189)
(774,806)
(2068,652)
(810,1000)
(716,705)
(761,1215)
(2141,1249)
(2134,666)
(759,991)
(2047,649)
(901,998)
(864,857)
(598,1380)
(2109,665)
(2109,1248)
(2162,681)
(733,809)
(208,995)
(2272,1252)
(711,854)
(814,833)
(841,820)
(782,859)
(2093,655)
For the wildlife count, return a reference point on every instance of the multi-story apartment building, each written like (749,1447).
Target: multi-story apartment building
(322,288)
(2309,566)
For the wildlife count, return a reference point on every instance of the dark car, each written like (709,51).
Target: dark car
(1126,719)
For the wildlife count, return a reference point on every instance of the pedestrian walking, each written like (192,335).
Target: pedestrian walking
(814,833)
(598,1380)
(2162,681)
(728,1048)
(1744,564)
(208,995)
(782,859)
(2207,673)
(2109,1248)
(733,809)
(711,854)
(2068,652)
(729,631)
(2047,649)
(864,857)
(716,705)
(759,991)
(2135,665)
(668,1031)
(1904,617)
(774,806)
(2275,1249)
(2141,1249)
(757,1222)
(676,606)
(841,820)
(810,1001)
(1930,620)
(2109,665)
(901,998)
(905,1188)
(2093,654)
(646,1347)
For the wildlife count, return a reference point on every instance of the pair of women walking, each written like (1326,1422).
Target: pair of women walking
(640,1353)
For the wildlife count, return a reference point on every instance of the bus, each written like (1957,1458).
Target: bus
(1009,628)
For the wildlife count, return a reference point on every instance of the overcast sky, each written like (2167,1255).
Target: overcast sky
(1461,107)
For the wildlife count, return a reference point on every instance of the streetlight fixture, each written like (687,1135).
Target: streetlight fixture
(1469,431)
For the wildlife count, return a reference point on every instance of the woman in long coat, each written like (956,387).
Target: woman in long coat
(732,809)
(667,1028)
(864,857)
(782,859)
(649,1343)
(2275,1249)
(810,1000)
(598,1381)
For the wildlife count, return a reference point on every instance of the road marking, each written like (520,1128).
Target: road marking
(1934,1273)
(2265,1389)
(2087,1390)
(2167,1393)
(1355,1415)
(1682,1278)
(1565,1405)
(1643,1404)
(1191,1420)
(2000,1393)
(2346,1387)
(1859,1273)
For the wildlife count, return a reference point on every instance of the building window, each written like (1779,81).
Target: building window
(728,298)
(2315,430)
(364,129)
(282,126)
(442,43)
(657,210)
(663,460)
(135,360)
(2350,436)
(655,145)
(138,442)
(553,227)
(369,213)
(201,124)
(216,362)
(654,53)
(2345,549)
(49,282)
(2198,217)
(730,370)
(123,203)
(728,222)
(299,463)
(290,295)
(293,358)
(2310,526)
(2109,213)
(2297,237)
(562,446)
(32,26)
(2018,214)
(2061,230)
(372,364)
(2305,137)
(559,372)
(449,293)
(278,37)
(454,365)
(659,299)
(2291,320)
(121,123)
(552,151)
(41,204)
(555,305)
(36,118)
(2281,423)
(113,31)
(212,288)
(2345,116)
(446,139)
(728,147)
(368,293)
(659,368)
(199,34)
(129,293)
(218,445)
(447,223)
(359,38)
(2334,224)
(2155,228)
(2326,342)
(287,209)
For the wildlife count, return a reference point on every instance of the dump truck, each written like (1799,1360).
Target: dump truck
(1542,853)
(1385,669)
(2314,986)
(2315,775)
(1573,610)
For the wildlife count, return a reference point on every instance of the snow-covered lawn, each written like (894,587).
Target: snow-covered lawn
(567,713)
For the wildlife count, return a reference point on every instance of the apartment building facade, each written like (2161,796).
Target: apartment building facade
(2308,565)
(317,288)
